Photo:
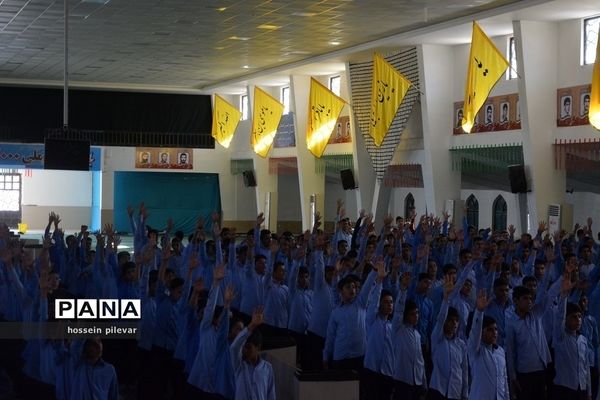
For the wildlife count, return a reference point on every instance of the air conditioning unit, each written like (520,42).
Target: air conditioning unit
(560,216)
(553,218)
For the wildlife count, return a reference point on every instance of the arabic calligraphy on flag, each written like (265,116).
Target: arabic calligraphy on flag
(324,108)
(387,92)
(486,65)
(265,119)
(225,120)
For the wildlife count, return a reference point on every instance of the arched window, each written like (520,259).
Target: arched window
(499,214)
(472,211)
(409,205)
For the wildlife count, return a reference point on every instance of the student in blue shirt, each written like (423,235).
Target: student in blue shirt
(409,368)
(527,370)
(300,310)
(379,355)
(166,336)
(324,300)
(254,377)
(276,301)
(498,306)
(487,360)
(92,378)
(589,329)
(449,379)
(346,335)
(572,380)
(204,376)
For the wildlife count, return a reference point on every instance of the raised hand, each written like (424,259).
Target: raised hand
(405,280)
(56,221)
(448,286)
(380,267)
(511,230)
(215,217)
(317,220)
(566,285)
(229,295)
(130,210)
(216,229)
(170,224)
(257,318)
(219,273)
(541,226)
(590,221)
(482,300)
(446,215)
(260,219)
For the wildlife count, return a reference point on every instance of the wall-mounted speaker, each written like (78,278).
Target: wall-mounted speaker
(249,180)
(73,155)
(348,179)
(516,176)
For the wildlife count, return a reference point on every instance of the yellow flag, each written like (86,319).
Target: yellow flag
(387,92)
(265,119)
(594,111)
(486,65)
(225,119)
(324,108)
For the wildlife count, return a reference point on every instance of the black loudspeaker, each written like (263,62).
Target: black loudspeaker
(249,180)
(347,179)
(516,176)
(73,155)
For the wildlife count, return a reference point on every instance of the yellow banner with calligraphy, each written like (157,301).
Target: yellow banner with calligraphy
(594,111)
(265,119)
(486,65)
(225,120)
(324,108)
(387,92)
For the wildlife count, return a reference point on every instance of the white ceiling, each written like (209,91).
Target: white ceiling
(203,44)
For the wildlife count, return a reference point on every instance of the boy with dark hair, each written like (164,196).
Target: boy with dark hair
(572,380)
(409,366)
(346,335)
(527,369)
(254,378)
(449,379)
(498,307)
(379,354)
(486,358)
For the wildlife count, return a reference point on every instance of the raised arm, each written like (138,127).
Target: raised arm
(474,342)
(398,320)
(438,331)
(238,343)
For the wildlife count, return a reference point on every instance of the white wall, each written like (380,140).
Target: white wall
(57,188)
(486,201)
(397,201)
(585,205)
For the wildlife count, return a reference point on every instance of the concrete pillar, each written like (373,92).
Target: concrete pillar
(436,73)
(537,52)
(266,184)
(310,182)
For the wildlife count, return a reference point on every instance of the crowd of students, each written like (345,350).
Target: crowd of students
(420,309)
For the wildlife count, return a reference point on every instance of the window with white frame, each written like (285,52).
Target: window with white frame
(285,99)
(590,39)
(244,106)
(511,73)
(335,84)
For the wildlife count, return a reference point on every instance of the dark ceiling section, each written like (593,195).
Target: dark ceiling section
(107,117)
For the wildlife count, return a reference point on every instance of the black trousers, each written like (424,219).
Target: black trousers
(377,386)
(433,394)
(193,393)
(404,391)
(595,380)
(533,385)
(564,393)
(313,359)
(301,349)
(167,376)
